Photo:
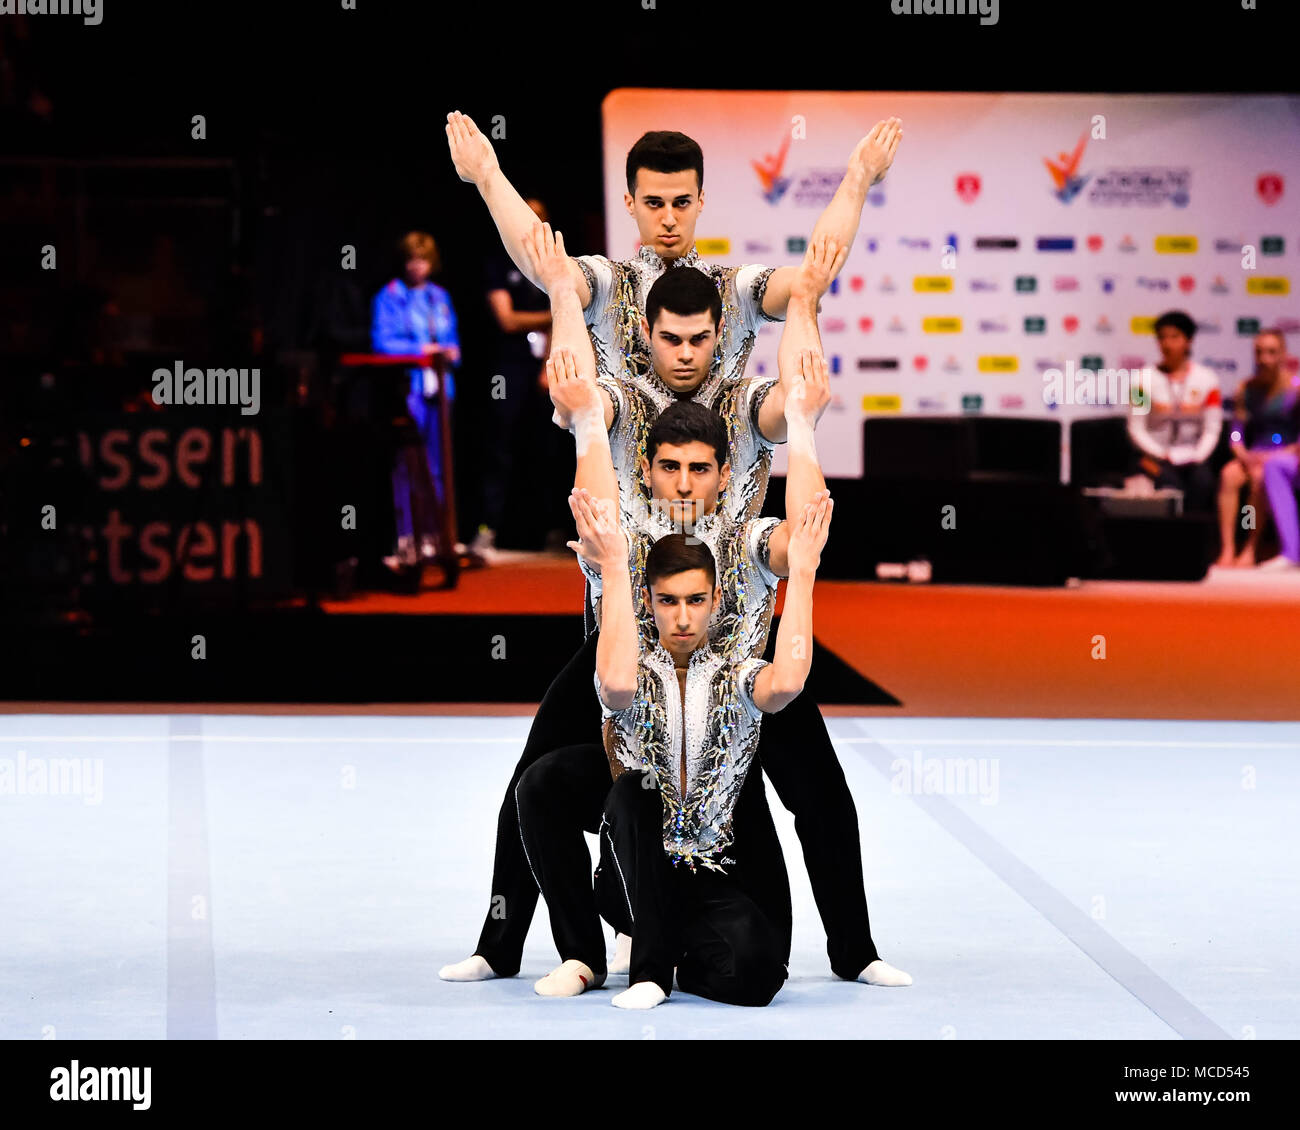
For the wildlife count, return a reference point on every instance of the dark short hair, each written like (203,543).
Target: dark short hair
(665,151)
(678,553)
(688,421)
(1178,320)
(683,291)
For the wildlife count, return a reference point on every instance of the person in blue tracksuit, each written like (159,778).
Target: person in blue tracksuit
(412,314)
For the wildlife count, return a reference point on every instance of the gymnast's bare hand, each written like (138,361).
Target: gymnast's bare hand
(808,534)
(823,260)
(573,394)
(550,261)
(471,151)
(875,152)
(810,390)
(601,540)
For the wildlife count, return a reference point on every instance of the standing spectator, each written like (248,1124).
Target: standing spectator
(1264,426)
(1176,438)
(414,315)
(523,317)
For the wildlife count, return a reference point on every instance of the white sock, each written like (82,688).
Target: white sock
(568,980)
(644,994)
(882,973)
(472,968)
(621,962)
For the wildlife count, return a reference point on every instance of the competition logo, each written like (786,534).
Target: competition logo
(1065,172)
(1186,283)
(1107,284)
(1146,186)
(1127,244)
(968,187)
(1269,186)
(865,324)
(1065,282)
(1094,243)
(815,188)
(983,285)
(1103,326)
(773,184)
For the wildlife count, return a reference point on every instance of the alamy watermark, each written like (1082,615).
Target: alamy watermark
(987,10)
(179,385)
(58,776)
(949,776)
(1129,387)
(91,11)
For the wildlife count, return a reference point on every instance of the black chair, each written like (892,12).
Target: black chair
(986,474)
(1137,548)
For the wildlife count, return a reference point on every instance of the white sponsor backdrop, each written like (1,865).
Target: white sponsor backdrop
(1222,169)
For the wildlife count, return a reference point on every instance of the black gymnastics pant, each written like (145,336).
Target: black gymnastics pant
(795,751)
(703,923)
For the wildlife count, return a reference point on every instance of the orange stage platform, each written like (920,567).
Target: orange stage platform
(1224,648)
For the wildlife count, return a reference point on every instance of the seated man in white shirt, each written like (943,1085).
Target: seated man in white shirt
(1176,435)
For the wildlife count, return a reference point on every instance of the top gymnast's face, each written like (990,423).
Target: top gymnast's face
(681,348)
(682,605)
(687,478)
(665,208)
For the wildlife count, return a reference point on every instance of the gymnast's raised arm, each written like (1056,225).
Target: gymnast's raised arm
(780,682)
(602,542)
(476,162)
(544,250)
(821,263)
(868,164)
